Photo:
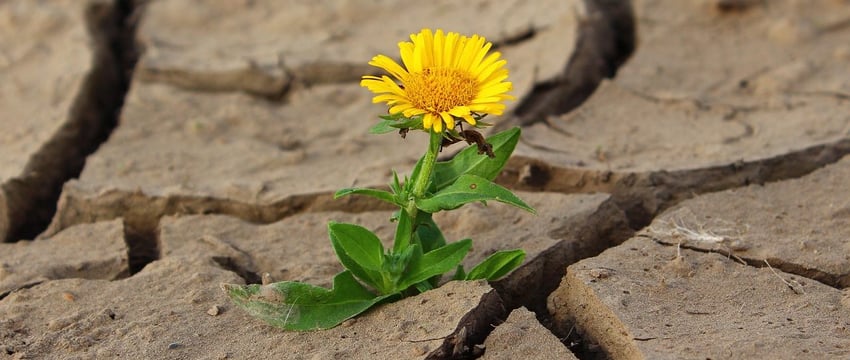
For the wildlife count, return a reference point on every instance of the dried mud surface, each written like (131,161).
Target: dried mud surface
(688,161)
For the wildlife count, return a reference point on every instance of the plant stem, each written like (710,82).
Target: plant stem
(420,184)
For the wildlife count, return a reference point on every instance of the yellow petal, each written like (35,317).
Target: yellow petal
(469,119)
(439,46)
(487,71)
(438,125)
(489,60)
(450,48)
(428,48)
(406,50)
(400,108)
(479,56)
(494,90)
(460,111)
(413,112)
(428,120)
(448,119)
(392,67)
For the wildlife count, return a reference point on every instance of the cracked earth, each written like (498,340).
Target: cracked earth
(688,161)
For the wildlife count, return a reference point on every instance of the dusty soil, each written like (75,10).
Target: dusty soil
(688,161)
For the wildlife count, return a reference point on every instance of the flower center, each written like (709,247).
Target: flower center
(440,89)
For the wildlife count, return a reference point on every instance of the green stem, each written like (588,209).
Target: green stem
(407,226)
(420,184)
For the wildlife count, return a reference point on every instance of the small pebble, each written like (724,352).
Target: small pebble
(68,296)
(174,345)
(214,310)
(600,273)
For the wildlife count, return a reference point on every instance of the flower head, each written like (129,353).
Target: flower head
(446,76)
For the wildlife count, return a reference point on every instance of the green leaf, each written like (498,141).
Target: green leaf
(423,286)
(468,161)
(395,263)
(375,193)
(299,306)
(414,123)
(427,232)
(403,231)
(434,263)
(360,251)
(469,188)
(414,174)
(497,265)
(383,127)
(459,273)
(395,122)
(395,186)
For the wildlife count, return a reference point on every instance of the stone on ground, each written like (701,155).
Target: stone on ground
(521,336)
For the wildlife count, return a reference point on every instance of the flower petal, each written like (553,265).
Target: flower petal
(428,120)
(442,77)
(392,67)
(438,125)
(448,119)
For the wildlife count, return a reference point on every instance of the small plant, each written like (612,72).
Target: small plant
(448,82)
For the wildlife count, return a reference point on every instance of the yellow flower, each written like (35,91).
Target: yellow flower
(445,77)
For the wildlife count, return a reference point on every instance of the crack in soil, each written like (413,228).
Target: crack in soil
(141,213)
(94,114)
(607,38)
(636,199)
(473,329)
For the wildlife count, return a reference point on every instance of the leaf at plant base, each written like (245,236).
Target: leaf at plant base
(460,274)
(469,161)
(423,286)
(360,251)
(435,262)
(497,265)
(298,306)
(375,193)
(428,233)
(467,189)
(403,231)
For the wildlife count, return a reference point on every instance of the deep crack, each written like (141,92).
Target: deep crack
(607,38)
(636,200)
(141,213)
(94,114)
